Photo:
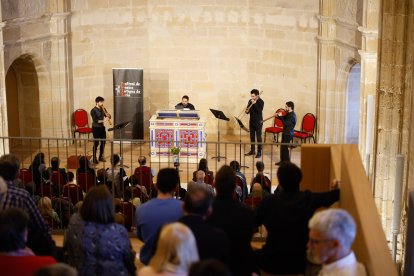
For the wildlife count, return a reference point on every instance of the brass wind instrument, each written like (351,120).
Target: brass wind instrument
(247,110)
(274,115)
(107,115)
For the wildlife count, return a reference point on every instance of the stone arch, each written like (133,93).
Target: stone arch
(343,75)
(25,95)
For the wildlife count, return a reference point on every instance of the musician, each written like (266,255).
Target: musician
(98,128)
(185,104)
(255,109)
(289,123)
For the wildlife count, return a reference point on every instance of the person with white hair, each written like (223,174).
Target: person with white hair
(331,234)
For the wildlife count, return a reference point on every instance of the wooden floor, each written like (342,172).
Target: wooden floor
(229,150)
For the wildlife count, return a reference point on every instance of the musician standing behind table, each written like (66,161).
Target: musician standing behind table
(185,104)
(98,128)
(289,123)
(255,124)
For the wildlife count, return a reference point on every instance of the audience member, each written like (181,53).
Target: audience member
(142,193)
(71,177)
(236,168)
(48,188)
(64,208)
(197,207)
(202,165)
(45,208)
(209,267)
(237,221)
(59,269)
(256,196)
(95,244)
(200,183)
(176,252)
(285,216)
(36,168)
(15,257)
(116,176)
(39,236)
(261,177)
(331,234)
(144,176)
(54,167)
(151,215)
(84,166)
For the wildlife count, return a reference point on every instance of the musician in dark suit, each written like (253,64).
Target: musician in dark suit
(255,109)
(289,123)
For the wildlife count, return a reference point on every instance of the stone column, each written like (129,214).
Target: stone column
(326,65)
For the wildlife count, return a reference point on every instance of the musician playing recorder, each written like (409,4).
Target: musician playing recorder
(99,115)
(255,109)
(289,123)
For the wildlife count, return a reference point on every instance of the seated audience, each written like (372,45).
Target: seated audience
(256,196)
(236,168)
(263,181)
(84,166)
(209,267)
(116,175)
(285,216)
(45,207)
(48,187)
(176,252)
(197,207)
(144,176)
(151,215)
(142,191)
(142,161)
(71,177)
(39,236)
(54,167)
(331,234)
(202,165)
(200,183)
(37,166)
(64,208)
(237,221)
(95,244)
(15,257)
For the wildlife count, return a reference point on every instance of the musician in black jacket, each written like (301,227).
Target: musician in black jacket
(98,128)
(255,109)
(289,123)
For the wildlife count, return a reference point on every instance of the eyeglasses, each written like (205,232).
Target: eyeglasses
(318,241)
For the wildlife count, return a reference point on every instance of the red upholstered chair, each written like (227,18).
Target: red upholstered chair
(25,175)
(73,192)
(58,179)
(80,118)
(128,210)
(144,175)
(85,181)
(46,190)
(308,128)
(277,126)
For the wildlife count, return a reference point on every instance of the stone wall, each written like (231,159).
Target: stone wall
(215,53)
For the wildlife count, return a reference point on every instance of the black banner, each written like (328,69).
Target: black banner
(128,103)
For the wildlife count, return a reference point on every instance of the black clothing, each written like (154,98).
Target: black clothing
(255,123)
(181,106)
(286,216)
(204,235)
(237,221)
(61,170)
(98,131)
(289,123)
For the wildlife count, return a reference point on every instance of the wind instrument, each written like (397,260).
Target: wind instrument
(247,109)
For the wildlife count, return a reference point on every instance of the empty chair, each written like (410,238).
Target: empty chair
(80,118)
(277,126)
(308,128)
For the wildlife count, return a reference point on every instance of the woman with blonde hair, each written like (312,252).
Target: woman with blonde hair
(45,207)
(176,252)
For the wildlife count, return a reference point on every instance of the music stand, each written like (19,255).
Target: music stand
(241,126)
(119,127)
(220,116)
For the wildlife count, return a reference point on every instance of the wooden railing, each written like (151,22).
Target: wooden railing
(323,163)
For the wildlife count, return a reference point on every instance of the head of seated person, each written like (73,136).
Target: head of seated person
(260,166)
(200,175)
(54,163)
(83,163)
(198,202)
(289,176)
(13,232)
(98,206)
(167,181)
(225,182)
(257,190)
(142,160)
